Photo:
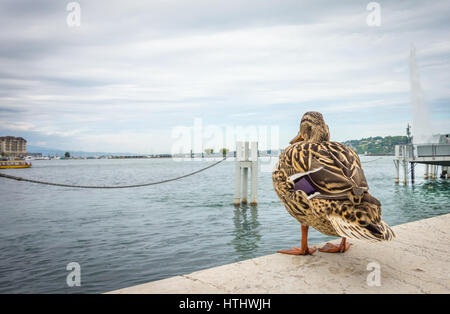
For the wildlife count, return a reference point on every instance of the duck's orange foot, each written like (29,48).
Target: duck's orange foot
(299,251)
(332,248)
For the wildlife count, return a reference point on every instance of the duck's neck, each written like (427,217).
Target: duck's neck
(319,137)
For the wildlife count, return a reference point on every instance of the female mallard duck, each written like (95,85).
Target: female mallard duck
(322,185)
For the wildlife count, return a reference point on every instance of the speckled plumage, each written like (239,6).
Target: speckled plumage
(344,207)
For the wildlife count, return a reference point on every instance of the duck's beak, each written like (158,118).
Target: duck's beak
(296,139)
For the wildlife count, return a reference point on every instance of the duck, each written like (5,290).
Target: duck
(322,185)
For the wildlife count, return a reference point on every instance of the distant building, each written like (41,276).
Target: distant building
(34,154)
(13,146)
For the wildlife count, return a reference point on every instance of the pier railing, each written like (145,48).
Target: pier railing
(433,150)
(404,151)
(411,152)
(431,155)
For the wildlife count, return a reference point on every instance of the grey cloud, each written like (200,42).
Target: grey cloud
(147,64)
(5,109)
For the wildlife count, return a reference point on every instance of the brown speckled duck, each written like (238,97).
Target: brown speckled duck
(322,185)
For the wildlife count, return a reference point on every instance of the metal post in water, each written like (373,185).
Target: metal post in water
(433,172)
(245,175)
(444,173)
(244,185)
(254,166)
(397,170)
(425,176)
(237,178)
(405,170)
(245,162)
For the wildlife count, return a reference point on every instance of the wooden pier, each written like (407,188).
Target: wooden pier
(431,155)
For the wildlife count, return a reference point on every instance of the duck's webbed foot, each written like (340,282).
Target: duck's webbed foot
(299,251)
(332,248)
(304,250)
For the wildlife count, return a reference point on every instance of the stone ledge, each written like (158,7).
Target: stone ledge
(417,262)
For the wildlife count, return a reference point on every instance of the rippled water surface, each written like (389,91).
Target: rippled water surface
(130,236)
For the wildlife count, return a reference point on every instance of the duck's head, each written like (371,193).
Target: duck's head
(312,128)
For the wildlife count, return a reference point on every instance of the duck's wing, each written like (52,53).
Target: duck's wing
(342,173)
(328,169)
(296,201)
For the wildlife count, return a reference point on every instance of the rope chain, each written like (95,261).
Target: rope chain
(6,176)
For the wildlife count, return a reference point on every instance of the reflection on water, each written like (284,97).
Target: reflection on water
(435,188)
(128,237)
(423,199)
(246,235)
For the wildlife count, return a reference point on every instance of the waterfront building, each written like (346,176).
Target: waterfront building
(11,146)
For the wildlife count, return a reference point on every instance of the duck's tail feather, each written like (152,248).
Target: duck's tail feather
(373,232)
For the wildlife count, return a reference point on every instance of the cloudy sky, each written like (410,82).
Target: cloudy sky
(135,71)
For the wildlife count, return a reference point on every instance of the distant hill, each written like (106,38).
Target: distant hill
(377,145)
(58,152)
(371,145)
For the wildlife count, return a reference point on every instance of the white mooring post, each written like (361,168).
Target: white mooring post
(246,160)
(254,182)
(432,172)
(245,175)
(397,170)
(405,172)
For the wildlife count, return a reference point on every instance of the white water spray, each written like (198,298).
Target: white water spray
(421,128)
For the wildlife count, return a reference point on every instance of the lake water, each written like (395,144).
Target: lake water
(127,237)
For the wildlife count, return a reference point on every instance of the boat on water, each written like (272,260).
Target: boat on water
(8,164)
